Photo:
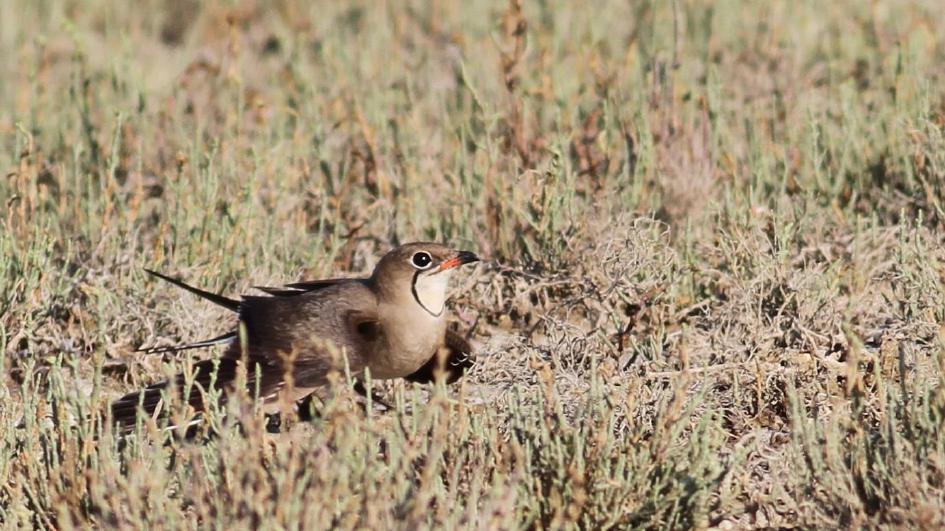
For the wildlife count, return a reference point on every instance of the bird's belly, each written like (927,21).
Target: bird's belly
(388,367)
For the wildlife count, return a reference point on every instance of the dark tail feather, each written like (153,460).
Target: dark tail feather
(151,399)
(229,304)
(224,338)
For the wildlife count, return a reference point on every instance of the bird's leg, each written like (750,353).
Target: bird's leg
(306,412)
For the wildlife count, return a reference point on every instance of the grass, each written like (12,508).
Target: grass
(713,296)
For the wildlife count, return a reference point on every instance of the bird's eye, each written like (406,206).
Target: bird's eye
(421,260)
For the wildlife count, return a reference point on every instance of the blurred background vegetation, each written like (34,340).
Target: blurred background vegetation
(714,290)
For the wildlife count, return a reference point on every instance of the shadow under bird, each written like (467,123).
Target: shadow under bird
(392,324)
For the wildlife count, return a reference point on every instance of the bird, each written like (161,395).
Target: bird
(392,324)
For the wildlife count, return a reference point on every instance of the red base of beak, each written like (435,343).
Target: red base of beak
(463,257)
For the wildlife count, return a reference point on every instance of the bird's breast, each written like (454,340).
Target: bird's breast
(411,337)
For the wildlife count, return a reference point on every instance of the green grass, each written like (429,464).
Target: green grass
(713,296)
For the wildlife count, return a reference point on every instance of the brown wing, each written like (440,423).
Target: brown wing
(310,335)
(283,334)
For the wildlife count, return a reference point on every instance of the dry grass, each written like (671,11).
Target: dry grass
(714,294)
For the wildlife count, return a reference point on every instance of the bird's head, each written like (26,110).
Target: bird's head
(421,271)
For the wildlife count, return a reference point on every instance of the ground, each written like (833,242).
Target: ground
(713,288)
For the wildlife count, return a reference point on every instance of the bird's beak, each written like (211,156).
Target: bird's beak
(462,257)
